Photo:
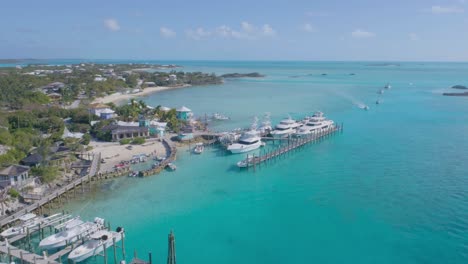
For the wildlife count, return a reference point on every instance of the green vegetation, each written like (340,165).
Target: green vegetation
(13,193)
(46,173)
(138,141)
(125,141)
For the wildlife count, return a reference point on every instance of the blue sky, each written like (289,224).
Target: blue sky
(236,30)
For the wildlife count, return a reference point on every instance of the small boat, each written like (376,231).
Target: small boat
(29,220)
(378,101)
(62,238)
(160,158)
(244,163)
(363,106)
(199,148)
(381,91)
(171,166)
(71,223)
(96,244)
(218,116)
(388,86)
(133,174)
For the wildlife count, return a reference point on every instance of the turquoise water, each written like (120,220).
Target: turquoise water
(391,189)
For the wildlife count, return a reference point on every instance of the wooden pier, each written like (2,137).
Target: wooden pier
(293,144)
(94,168)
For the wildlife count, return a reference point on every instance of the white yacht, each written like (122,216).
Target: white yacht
(316,123)
(285,128)
(96,244)
(71,235)
(248,141)
(199,148)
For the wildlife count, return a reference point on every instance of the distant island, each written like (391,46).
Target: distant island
(461,87)
(242,75)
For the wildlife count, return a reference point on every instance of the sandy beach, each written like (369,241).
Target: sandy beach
(113,153)
(119,97)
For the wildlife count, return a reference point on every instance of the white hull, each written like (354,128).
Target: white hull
(282,134)
(241,148)
(62,238)
(89,249)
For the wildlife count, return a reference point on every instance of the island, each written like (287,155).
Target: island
(461,87)
(456,94)
(243,75)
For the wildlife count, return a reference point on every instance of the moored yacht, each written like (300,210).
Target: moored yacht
(96,244)
(248,141)
(285,128)
(315,124)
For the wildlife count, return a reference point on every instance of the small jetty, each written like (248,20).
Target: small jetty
(293,144)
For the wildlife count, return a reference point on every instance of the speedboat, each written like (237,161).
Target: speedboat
(27,221)
(199,148)
(363,106)
(69,224)
(66,236)
(387,86)
(249,140)
(378,101)
(285,128)
(96,244)
(381,91)
(315,124)
(218,116)
(244,163)
(171,166)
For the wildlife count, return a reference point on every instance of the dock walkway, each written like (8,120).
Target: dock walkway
(293,144)
(23,255)
(46,199)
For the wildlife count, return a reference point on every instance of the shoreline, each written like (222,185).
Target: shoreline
(118,97)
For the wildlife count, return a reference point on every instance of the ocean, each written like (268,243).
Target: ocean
(393,188)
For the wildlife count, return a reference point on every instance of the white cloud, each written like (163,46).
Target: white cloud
(247,27)
(309,28)
(267,30)
(446,10)
(112,24)
(413,36)
(166,32)
(359,33)
(198,33)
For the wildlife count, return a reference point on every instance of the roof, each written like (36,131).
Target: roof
(14,170)
(107,111)
(129,129)
(32,159)
(164,108)
(183,109)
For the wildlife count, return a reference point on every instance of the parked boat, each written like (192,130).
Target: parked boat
(199,148)
(155,165)
(69,224)
(218,116)
(171,166)
(26,221)
(66,236)
(133,174)
(316,123)
(387,86)
(285,128)
(378,101)
(381,91)
(96,244)
(244,163)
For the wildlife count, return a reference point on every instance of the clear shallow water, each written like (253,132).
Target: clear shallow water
(391,189)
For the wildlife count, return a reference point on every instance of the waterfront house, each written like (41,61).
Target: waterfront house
(14,175)
(172,78)
(107,113)
(149,84)
(101,110)
(184,113)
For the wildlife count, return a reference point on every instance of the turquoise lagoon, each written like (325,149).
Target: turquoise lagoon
(393,188)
